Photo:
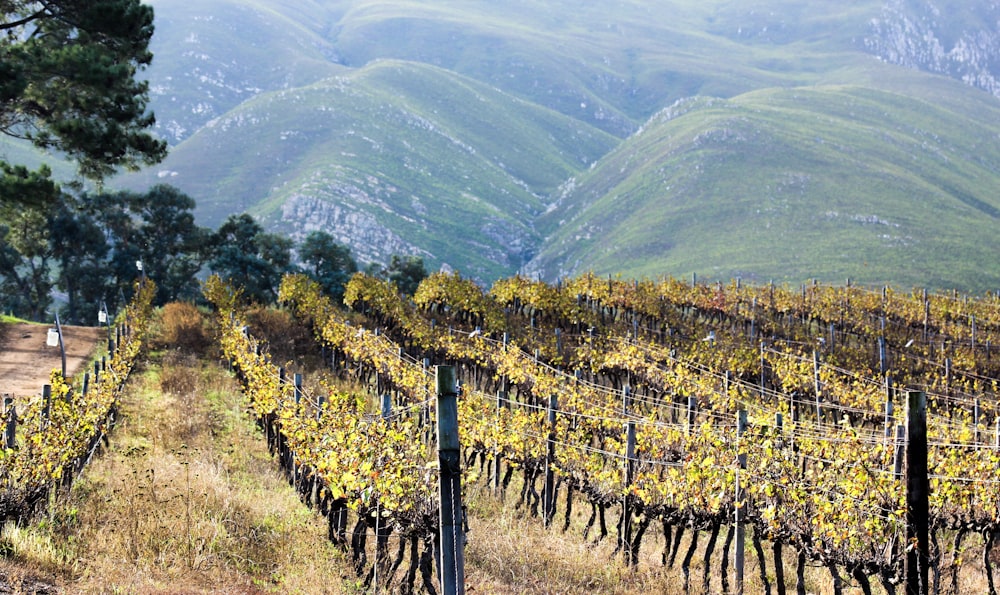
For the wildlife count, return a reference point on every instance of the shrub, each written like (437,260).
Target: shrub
(182,327)
(285,338)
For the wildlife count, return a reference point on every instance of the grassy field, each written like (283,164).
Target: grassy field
(855,183)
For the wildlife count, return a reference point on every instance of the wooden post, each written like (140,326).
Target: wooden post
(320,404)
(947,375)
(497,458)
(548,492)
(739,556)
(86,384)
(817,386)
(927,315)
(763,371)
(625,533)
(692,410)
(451,555)
(897,461)
(297,383)
(883,363)
(386,406)
(976,415)
(62,345)
(10,432)
(917,492)
(46,403)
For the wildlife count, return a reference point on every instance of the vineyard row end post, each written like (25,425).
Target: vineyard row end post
(917,495)
(451,554)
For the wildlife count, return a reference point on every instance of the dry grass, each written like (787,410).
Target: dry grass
(511,553)
(187,500)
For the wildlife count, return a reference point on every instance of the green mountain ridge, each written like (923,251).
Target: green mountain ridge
(391,158)
(847,182)
(525,136)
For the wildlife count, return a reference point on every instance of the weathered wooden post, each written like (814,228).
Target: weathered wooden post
(46,403)
(548,493)
(740,553)
(10,431)
(386,407)
(818,388)
(692,411)
(451,555)
(628,501)
(900,452)
(917,495)
(62,345)
(497,458)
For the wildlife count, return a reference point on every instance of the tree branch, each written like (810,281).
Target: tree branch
(15,24)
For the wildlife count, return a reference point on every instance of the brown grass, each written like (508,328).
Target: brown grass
(181,326)
(187,500)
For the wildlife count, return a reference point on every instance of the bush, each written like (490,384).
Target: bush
(284,337)
(182,327)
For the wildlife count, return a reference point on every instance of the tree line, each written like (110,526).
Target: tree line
(70,85)
(82,253)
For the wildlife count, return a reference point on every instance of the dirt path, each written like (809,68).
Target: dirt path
(26,361)
(186,499)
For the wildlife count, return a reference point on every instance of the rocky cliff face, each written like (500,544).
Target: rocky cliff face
(955,38)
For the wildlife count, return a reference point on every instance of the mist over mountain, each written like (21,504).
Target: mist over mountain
(770,139)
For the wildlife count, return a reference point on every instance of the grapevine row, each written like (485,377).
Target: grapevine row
(57,436)
(836,537)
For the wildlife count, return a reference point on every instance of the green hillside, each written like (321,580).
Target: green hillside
(212,55)
(393,158)
(827,182)
(503,136)
(610,66)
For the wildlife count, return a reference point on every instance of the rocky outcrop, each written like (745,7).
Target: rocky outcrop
(956,39)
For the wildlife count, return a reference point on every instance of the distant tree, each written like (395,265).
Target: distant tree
(328,263)
(170,244)
(111,212)
(406,272)
(25,270)
(242,253)
(68,84)
(80,248)
(155,228)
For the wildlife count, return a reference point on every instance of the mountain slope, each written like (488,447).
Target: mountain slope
(434,129)
(393,158)
(609,65)
(831,182)
(212,55)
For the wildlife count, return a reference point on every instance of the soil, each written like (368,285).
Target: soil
(26,362)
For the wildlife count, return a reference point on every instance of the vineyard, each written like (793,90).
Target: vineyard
(47,442)
(738,415)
